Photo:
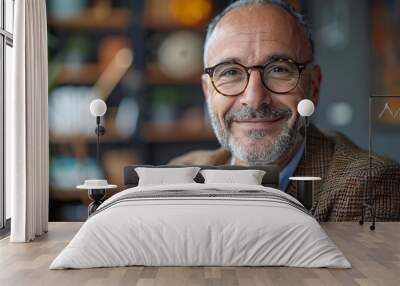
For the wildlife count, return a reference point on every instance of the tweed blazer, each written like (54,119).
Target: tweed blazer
(347,181)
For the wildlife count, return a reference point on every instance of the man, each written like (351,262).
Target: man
(259,64)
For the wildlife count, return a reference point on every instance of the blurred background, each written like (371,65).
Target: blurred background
(144,58)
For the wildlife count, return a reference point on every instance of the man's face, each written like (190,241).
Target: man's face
(259,125)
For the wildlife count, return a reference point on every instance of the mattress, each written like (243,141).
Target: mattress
(201,225)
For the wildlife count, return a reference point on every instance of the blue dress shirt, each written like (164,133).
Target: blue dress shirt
(290,168)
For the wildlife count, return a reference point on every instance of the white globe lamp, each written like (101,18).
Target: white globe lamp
(306,108)
(98,107)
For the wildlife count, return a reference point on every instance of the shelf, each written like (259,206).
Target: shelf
(154,75)
(116,19)
(89,73)
(110,138)
(170,26)
(175,132)
(79,74)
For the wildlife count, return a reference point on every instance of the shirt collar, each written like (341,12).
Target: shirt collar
(290,168)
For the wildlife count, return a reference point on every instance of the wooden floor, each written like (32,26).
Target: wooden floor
(375,256)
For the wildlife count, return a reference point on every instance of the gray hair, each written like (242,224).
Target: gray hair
(301,19)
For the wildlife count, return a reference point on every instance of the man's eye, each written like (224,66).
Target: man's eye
(280,70)
(230,73)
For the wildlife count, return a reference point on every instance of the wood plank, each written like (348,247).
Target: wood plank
(375,256)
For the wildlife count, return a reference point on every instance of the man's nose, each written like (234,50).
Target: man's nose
(255,93)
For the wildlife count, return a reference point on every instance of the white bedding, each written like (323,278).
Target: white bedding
(189,230)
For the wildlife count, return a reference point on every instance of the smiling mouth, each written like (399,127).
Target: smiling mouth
(259,121)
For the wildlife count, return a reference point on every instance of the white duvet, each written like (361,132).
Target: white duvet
(207,230)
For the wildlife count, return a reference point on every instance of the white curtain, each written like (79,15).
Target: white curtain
(27,154)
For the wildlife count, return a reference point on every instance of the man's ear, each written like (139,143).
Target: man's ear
(205,84)
(316,78)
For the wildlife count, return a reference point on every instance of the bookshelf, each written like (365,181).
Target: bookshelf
(82,45)
(170,118)
(166,29)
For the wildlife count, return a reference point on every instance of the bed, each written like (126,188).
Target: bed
(201,224)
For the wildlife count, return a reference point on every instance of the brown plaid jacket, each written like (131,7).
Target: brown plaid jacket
(346,181)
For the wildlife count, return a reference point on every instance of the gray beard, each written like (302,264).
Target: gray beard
(261,154)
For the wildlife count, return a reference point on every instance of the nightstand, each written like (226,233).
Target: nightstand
(97,190)
(305,189)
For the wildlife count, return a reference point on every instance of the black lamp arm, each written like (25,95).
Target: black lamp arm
(100,131)
(306,123)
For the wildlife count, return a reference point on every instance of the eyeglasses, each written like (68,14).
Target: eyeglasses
(280,75)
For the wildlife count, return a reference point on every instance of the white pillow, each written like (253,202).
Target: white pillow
(248,177)
(162,176)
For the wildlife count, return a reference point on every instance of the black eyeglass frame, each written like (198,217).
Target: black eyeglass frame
(300,67)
